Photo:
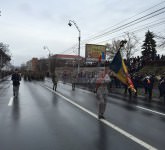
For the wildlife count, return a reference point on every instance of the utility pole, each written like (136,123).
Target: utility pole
(79,39)
(45,47)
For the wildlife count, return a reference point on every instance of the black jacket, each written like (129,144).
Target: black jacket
(16,78)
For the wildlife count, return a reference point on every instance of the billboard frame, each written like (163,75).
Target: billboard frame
(93,52)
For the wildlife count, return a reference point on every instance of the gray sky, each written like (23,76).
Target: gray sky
(28,25)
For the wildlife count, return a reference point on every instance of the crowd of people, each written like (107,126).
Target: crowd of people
(146,81)
(135,63)
(88,78)
(29,76)
(100,82)
(103,81)
(96,82)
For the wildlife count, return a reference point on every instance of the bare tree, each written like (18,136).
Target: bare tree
(130,47)
(161,39)
(4,55)
(111,49)
(127,51)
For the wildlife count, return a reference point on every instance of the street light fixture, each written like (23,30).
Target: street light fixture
(70,24)
(45,47)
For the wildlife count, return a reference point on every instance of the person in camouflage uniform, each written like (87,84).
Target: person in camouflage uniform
(102,91)
(73,81)
(54,80)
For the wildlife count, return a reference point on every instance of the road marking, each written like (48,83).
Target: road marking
(146,109)
(11,101)
(121,131)
(153,111)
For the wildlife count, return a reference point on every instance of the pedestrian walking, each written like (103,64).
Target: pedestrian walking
(73,80)
(64,77)
(101,88)
(54,80)
(16,78)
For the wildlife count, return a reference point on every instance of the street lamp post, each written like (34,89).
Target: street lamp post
(45,47)
(79,38)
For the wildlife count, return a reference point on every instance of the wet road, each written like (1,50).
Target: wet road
(41,119)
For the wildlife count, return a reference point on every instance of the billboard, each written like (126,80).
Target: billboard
(95,52)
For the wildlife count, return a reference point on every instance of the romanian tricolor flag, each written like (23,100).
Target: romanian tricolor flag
(99,59)
(120,71)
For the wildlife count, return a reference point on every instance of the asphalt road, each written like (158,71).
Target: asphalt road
(41,119)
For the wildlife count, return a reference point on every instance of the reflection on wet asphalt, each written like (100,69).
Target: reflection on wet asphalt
(39,119)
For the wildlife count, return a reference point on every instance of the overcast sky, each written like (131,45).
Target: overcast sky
(28,25)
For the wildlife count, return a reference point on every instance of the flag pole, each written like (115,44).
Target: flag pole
(122,43)
(129,81)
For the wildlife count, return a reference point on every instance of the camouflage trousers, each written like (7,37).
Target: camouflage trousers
(101,99)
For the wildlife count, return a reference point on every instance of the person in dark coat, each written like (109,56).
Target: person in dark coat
(145,83)
(16,78)
(162,88)
(150,84)
(135,83)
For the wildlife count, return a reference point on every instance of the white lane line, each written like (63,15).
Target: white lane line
(143,108)
(121,131)
(150,110)
(11,101)
(146,109)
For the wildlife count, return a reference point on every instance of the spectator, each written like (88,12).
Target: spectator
(162,88)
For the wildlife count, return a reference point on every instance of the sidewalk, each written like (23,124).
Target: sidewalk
(4,78)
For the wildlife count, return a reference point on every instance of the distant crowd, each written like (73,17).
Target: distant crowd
(146,81)
(87,78)
(134,64)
